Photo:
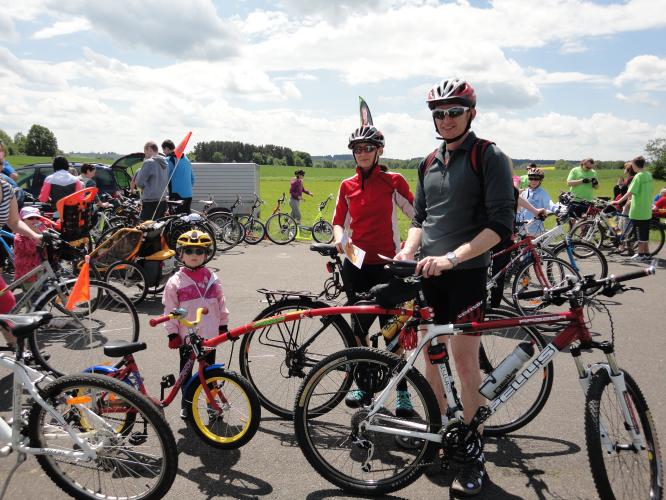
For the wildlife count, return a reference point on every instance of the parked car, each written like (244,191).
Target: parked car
(109,178)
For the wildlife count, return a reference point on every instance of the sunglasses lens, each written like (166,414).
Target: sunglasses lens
(456,112)
(194,251)
(364,149)
(440,114)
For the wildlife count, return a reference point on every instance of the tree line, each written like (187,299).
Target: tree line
(240,152)
(40,141)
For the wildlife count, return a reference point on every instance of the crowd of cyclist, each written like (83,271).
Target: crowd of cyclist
(465,206)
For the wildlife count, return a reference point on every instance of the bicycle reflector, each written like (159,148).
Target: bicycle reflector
(330,267)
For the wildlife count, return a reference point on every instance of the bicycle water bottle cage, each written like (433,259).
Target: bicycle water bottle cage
(371,378)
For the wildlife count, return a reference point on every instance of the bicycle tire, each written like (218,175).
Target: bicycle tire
(587,258)
(265,353)
(228,231)
(129,278)
(281,228)
(336,428)
(598,454)
(128,419)
(322,232)
(656,238)
(66,338)
(255,231)
(218,430)
(554,272)
(121,458)
(590,232)
(495,346)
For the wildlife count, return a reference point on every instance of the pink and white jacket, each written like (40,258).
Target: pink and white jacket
(191,290)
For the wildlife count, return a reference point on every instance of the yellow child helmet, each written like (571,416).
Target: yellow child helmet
(194,238)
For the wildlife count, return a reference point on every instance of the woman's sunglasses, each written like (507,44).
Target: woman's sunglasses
(440,114)
(368,148)
(194,251)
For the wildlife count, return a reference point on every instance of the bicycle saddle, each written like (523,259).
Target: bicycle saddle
(22,325)
(120,348)
(174,202)
(324,249)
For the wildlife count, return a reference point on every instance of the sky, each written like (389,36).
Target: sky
(554,79)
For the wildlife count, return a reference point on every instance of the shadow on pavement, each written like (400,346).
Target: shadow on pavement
(216,476)
(286,438)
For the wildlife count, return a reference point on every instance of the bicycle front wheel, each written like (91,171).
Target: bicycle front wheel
(129,278)
(240,414)
(336,443)
(228,231)
(621,469)
(322,232)
(525,404)
(276,358)
(590,232)
(584,257)
(254,232)
(73,340)
(281,228)
(136,462)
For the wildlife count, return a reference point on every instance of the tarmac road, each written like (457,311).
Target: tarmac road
(545,459)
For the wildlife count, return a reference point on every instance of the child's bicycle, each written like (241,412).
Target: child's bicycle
(321,229)
(363,450)
(222,407)
(93,436)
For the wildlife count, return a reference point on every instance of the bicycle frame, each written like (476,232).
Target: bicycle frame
(6,234)
(320,213)
(26,378)
(526,244)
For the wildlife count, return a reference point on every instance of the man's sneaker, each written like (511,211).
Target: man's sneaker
(183,413)
(469,480)
(357,398)
(403,405)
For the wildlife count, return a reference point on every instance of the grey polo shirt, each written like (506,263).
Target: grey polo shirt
(453,203)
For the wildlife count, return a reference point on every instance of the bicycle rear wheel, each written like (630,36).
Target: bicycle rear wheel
(281,228)
(584,257)
(74,340)
(590,232)
(275,359)
(619,469)
(139,462)
(336,445)
(129,278)
(228,231)
(322,232)
(254,231)
(525,404)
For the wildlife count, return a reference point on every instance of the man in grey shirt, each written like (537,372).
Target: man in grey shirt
(462,210)
(152,179)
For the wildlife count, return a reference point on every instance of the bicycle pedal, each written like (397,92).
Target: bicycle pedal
(168,381)
(137,438)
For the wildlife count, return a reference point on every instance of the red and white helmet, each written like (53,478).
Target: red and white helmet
(452,91)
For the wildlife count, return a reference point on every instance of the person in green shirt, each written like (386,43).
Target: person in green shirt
(639,195)
(583,180)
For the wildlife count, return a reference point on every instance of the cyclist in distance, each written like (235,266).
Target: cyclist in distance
(538,197)
(296,190)
(367,211)
(463,207)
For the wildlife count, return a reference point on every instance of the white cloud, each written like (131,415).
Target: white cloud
(63,28)
(638,98)
(7,29)
(543,77)
(646,72)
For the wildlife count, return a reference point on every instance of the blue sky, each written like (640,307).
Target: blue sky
(554,79)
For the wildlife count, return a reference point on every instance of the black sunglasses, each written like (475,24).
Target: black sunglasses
(440,114)
(194,251)
(368,148)
(534,177)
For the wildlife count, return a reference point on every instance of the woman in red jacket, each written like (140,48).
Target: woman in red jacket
(367,210)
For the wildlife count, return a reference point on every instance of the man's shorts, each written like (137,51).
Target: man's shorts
(641,229)
(457,296)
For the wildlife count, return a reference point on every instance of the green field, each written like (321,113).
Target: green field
(324,181)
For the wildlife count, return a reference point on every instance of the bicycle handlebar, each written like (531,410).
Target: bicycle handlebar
(180,315)
(587,284)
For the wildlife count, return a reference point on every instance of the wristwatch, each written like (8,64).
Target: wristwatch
(452,258)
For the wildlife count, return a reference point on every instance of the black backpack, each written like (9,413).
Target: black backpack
(479,148)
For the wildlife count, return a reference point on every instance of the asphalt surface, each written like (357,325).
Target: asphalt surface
(545,459)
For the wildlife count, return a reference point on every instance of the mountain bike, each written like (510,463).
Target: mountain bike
(228,231)
(357,449)
(281,228)
(275,358)
(73,339)
(76,428)
(254,229)
(222,407)
(321,229)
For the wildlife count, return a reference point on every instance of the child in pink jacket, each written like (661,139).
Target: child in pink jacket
(194,286)
(26,255)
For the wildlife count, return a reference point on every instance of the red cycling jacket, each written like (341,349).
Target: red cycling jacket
(368,209)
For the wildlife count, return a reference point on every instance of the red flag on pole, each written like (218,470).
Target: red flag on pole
(183,144)
(81,289)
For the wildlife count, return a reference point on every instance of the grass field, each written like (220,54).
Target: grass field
(324,181)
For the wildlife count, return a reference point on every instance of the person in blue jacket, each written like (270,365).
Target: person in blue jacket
(538,198)
(6,168)
(181,175)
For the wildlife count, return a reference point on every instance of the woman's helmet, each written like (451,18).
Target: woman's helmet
(535,173)
(194,238)
(366,133)
(452,91)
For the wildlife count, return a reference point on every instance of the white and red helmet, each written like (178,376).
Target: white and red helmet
(452,91)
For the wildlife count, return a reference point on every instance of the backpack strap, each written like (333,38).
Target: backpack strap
(479,148)
(428,161)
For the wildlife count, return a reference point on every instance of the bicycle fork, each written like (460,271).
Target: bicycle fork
(631,423)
